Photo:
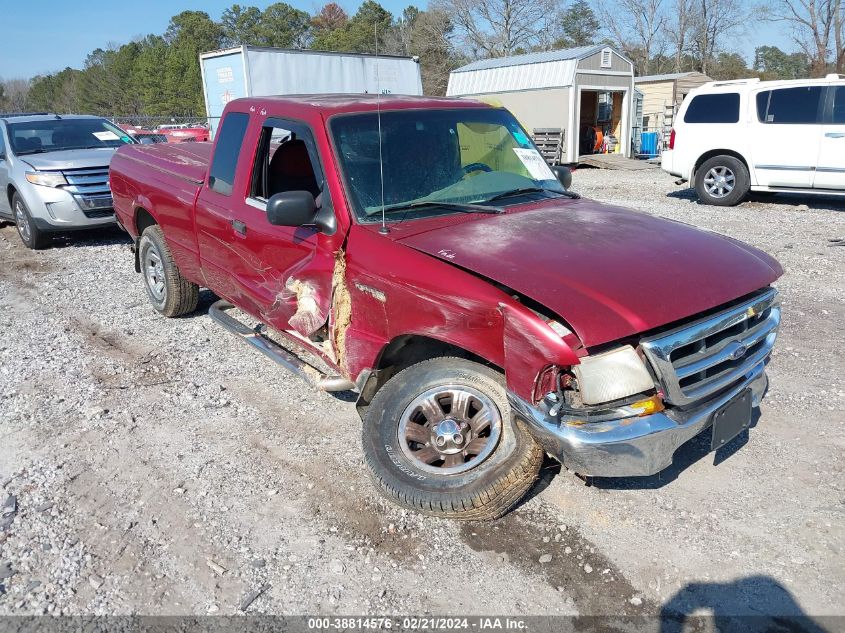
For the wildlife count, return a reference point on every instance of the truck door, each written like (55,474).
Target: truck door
(830,172)
(785,136)
(281,275)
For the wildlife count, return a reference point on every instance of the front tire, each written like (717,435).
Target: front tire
(439,439)
(169,292)
(30,234)
(722,181)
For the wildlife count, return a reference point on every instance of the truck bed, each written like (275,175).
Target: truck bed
(188,161)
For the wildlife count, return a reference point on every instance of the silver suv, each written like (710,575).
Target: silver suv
(54,173)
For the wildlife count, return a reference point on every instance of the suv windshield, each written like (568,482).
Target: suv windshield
(437,161)
(53,135)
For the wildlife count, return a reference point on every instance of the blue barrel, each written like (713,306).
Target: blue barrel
(649,142)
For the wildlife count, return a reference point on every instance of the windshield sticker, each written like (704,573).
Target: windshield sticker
(534,163)
(125,139)
(521,138)
(106,136)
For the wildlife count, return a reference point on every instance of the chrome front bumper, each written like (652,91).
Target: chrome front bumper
(628,447)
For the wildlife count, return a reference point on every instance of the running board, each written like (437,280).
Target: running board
(270,348)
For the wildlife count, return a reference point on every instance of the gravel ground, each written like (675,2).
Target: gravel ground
(159,466)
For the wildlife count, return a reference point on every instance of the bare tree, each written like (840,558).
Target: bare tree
(816,27)
(496,28)
(678,28)
(639,27)
(713,21)
(14,94)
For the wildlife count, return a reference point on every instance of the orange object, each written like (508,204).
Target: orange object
(599,139)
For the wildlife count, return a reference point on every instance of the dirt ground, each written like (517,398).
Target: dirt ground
(162,467)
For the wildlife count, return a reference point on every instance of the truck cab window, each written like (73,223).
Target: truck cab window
(283,163)
(221,177)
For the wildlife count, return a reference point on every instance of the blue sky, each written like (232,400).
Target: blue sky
(48,35)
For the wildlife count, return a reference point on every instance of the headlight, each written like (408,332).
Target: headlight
(46,178)
(612,375)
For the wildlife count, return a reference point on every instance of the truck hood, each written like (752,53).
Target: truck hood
(606,271)
(70,159)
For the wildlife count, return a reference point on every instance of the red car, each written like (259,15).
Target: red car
(184,134)
(420,252)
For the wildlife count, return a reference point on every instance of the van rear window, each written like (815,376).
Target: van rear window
(715,108)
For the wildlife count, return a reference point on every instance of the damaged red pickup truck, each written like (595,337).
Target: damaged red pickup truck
(421,252)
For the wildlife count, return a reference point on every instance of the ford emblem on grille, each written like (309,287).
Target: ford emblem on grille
(739,352)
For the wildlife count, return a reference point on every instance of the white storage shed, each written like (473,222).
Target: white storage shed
(586,92)
(254,71)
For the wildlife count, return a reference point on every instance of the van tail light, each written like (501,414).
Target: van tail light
(672,139)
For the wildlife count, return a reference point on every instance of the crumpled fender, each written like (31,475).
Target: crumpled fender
(530,346)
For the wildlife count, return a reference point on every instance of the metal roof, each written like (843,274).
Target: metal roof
(668,77)
(533,58)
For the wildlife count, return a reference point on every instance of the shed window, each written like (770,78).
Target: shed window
(606,58)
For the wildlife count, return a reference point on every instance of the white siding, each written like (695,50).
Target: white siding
(554,74)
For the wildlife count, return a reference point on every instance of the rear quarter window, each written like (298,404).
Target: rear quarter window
(793,106)
(713,108)
(226,152)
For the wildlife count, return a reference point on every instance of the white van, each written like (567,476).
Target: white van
(732,137)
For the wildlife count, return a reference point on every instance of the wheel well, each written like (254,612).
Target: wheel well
(404,351)
(10,191)
(717,152)
(143,219)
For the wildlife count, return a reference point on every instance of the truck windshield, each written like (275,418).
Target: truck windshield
(35,137)
(459,158)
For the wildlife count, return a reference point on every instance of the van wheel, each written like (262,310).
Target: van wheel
(169,292)
(722,181)
(30,235)
(439,438)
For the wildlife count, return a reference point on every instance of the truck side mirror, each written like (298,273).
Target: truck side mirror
(291,208)
(564,175)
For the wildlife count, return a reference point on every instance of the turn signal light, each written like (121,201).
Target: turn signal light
(648,406)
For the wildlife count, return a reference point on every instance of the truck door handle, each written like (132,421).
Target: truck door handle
(835,134)
(239,226)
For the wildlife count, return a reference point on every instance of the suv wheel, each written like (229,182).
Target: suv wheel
(31,235)
(439,438)
(722,181)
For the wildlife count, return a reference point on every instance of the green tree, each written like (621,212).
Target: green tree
(579,25)
(241,25)
(773,63)
(189,34)
(284,26)
(358,35)
(726,66)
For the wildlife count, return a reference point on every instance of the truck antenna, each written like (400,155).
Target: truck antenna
(383,230)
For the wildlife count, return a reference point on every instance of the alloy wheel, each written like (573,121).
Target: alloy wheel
(450,429)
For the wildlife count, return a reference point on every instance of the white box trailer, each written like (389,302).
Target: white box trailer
(255,71)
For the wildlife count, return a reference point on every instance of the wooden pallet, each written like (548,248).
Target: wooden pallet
(549,140)
(616,161)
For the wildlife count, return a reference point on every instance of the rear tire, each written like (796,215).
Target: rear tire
(169,292)
(501,460)
(722,181)
(30,234)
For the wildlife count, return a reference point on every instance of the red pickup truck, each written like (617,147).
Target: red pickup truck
(420,252)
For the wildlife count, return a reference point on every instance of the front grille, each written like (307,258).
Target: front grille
(90,188)
(99,213)
(87,182)
(699,360)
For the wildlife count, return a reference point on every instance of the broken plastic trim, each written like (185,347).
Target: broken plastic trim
(276,352)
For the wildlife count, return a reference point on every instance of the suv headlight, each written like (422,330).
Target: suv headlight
(612,375)
(46,178)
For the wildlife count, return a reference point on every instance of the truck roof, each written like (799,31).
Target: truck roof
(329,104)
